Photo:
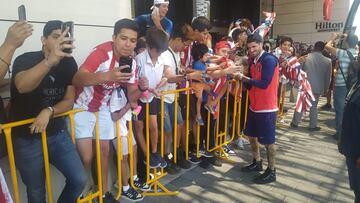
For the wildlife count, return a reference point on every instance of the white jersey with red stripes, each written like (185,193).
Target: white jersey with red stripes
(101,59)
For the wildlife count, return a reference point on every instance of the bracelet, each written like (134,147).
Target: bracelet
(52,110)
(8,64)
(141,90)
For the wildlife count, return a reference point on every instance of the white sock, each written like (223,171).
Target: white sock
(135,177)
(125,188)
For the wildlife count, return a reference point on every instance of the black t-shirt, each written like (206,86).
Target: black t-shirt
(50,91)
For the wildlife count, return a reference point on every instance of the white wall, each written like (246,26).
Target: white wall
(296,18)
(82,12)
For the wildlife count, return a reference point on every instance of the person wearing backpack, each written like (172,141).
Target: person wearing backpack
(341,77)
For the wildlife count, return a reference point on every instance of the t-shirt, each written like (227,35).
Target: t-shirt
(153,72)
(344,62)
(145,22)
(101,59)
(50,91)
(200,66)
(172,60)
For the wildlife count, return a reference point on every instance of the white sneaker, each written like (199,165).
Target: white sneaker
(245,141)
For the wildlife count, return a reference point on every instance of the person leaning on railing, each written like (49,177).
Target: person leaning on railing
(15,37)
(41,87)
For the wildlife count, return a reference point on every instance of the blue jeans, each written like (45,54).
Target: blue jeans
(169,116)
(62,154)
(354,177)
(339,104)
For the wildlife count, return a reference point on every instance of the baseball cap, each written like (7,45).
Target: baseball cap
(159,2)
(51,26)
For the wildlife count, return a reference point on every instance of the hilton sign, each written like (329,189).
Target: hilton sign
(328,26)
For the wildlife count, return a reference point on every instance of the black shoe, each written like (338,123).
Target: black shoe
(184,164)
(326,107)
(255,166)
(161,160)
(215,161)
(141,185)
(268,176)
(193,159)
(132,195)
(171,167)
(205,164)
(314,129)
(205,153)
(292,125)
(154,162)
(109,198)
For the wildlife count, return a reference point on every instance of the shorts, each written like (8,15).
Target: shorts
(169,112)
(198,88)
(154,107)
(124,144)
(85,125)
(262,126)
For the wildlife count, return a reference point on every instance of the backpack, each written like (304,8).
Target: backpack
(353,70)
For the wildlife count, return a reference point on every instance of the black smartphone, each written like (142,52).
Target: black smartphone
(70,25)
(126,61)
(22,13)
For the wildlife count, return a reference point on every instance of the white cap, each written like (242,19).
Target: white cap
(160,2)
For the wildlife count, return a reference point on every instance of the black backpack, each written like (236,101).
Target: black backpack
(353,70)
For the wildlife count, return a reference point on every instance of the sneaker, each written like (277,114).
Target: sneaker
(161,160)
(292,125)
(193,159)
(205,164)
(227,149)
(132,195)
(209,108)
(200,121)
(171,167)
(184,164)
(205,153)
(268,176)
(314,129)
(215,161)
(109,198)
(326,107)
(141,185)
(154,162)
(239,143)
(253,167)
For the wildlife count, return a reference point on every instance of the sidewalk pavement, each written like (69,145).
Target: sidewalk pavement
(309,169)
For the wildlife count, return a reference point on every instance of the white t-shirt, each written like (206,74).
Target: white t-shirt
(152,72)
(169,58)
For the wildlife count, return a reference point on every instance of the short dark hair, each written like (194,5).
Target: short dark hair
(198,51)
(140,44)
(284,39)
(319,46)
(255,37)
(50,26)
(201,23)
(235,34)
(125,23)
(156,39)
(352,40)
(177,32)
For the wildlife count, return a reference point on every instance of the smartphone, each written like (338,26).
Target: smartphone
(155,11)
(70,25)
(22,13)
(126,61)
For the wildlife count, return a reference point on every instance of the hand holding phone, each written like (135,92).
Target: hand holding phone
(155,11)
(125,61)
(70,34)
(22,13)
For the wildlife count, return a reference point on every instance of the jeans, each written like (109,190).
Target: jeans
(62,154)
(354,177)
(313,114)
(339,104)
